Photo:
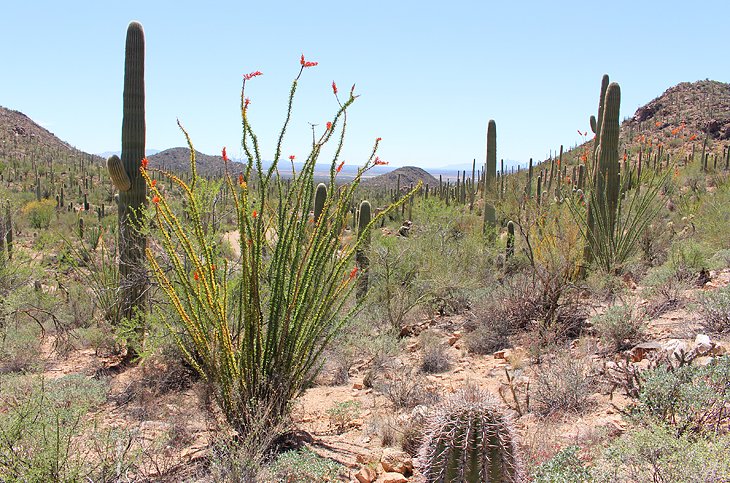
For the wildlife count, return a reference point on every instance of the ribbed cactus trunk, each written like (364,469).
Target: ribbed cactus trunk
(490,175)
(468,439)
(604,200)
(361,256)
(133,280)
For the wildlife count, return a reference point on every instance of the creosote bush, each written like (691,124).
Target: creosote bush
(256,331)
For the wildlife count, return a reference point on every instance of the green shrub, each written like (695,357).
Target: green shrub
(562,384)
(303,466)
(41,422)
(342,414)
(655,453)
(564,467)
(715,308)
(40,213)
(690,398)
(619,328)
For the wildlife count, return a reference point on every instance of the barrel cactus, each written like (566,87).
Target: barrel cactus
(126,177)
(470,440)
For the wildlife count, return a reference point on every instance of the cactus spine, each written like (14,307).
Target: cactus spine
(361,257)
(132,243)
(470,440)
(490,174)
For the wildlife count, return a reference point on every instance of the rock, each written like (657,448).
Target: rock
(453,338)
(639,351)
(358,386)
(718,350)
(675,346)
(703,344)
(392,477)
(396,461)
(366,475)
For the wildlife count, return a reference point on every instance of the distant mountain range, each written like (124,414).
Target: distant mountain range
(681,116)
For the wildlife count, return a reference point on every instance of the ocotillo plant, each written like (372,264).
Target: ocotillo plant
(361,256)
(125,174)
(255,335)
(469,439)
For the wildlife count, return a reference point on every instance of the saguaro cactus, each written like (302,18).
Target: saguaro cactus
(510,248)
(320,196)
(127,179)
(604,199)
(470,440)
(490,174)
(361,256)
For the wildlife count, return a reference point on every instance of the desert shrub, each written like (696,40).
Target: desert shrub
(256,334)
(303,466)
(655,453)
(565,467)
(435,359)
(715,308)
(620,327)
(342,414)
(398,286)
(663,287)
(40,425)
(39,213)
(406,389)
(562,384)
(491,334)
(606,286)
(20,348)
(690,398)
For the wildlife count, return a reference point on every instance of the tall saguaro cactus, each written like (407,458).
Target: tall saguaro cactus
(125,174)
(490,175)
(604,199)
(361,256)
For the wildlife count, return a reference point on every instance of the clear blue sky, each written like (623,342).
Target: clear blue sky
(430,74)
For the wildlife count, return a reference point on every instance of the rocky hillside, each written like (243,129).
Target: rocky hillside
(701,107)
(178,160)
(20,137)
(409,175)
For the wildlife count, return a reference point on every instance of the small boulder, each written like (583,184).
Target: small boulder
(396,461)
(392,477)
(366,475)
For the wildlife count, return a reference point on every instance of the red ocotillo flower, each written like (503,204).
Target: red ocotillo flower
(252,75)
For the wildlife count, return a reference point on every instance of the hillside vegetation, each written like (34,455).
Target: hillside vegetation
(162,320)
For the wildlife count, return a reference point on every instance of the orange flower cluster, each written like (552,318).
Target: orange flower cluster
(339,168)
(306,63)
(334,87)
(380,162)
(252,75)
(353,273)
(145,163)
(225,156)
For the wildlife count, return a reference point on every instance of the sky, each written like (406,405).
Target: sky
(430,74)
